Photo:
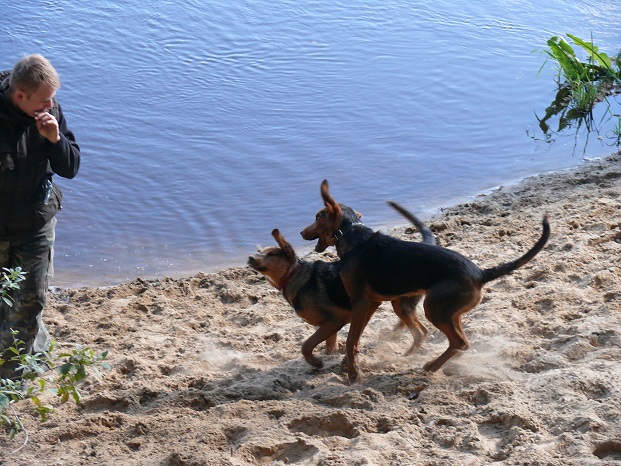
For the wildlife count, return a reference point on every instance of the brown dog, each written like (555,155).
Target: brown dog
(377,267)
(316,292)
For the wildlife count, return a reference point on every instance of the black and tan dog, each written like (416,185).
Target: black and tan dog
(316,292)
(376,267)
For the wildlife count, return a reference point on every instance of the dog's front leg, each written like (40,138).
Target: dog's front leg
(361,314)
(326,331)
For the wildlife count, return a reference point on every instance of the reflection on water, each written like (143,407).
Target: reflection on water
(570,120)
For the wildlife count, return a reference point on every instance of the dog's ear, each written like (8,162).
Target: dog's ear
(283,243)
(333,207)
(324,190)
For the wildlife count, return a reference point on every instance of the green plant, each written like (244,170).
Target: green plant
(599,65)
(9,282)
(74,369)
(57,373)
(581,84)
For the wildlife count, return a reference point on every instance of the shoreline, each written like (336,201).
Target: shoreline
(428,215)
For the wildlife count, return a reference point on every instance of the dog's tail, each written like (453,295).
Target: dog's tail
(426,233)
(503,269)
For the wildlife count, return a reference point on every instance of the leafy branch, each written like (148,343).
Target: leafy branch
(10,282)
(56,373)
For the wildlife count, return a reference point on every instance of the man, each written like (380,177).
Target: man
(35,143)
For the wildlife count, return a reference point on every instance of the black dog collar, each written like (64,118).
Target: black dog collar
(340,233)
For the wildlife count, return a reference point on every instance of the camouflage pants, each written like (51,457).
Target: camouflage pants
(35,256)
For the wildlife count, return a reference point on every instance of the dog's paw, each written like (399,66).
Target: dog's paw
(353,375)
(431,366)
(413,349)
(315,362)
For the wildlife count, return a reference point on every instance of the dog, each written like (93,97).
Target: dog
(316,292)
(376,267)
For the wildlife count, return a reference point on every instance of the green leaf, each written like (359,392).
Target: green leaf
(5,402)
(562,52)
(593,51)
(76,396)
(80,374)
(564,46)
(64,369)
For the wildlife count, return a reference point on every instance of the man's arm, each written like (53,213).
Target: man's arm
(64,154)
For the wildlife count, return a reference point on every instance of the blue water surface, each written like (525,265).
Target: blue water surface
(206,124)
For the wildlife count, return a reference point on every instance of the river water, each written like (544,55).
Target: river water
(206,124)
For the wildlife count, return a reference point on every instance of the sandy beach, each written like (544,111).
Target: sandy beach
(207,370)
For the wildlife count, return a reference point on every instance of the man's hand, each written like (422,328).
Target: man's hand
(47,126)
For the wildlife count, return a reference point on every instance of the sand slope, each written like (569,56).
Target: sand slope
(207,370)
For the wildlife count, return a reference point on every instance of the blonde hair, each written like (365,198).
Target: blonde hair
(32,71)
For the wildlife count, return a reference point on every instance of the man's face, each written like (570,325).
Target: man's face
(35,102)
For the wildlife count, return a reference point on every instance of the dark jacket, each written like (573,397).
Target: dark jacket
(28,197)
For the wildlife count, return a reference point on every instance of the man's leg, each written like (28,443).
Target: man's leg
(43,339)
(34,256)
(6,339)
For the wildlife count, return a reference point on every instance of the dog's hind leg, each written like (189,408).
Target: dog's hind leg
(331,346)
(444,309)
(326,332)
(405,308)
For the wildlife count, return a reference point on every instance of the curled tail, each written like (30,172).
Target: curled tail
(424,230)
(503,269)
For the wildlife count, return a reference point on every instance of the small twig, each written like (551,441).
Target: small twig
(66,343)
(21,427)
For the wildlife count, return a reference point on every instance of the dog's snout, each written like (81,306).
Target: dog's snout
(308,236)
